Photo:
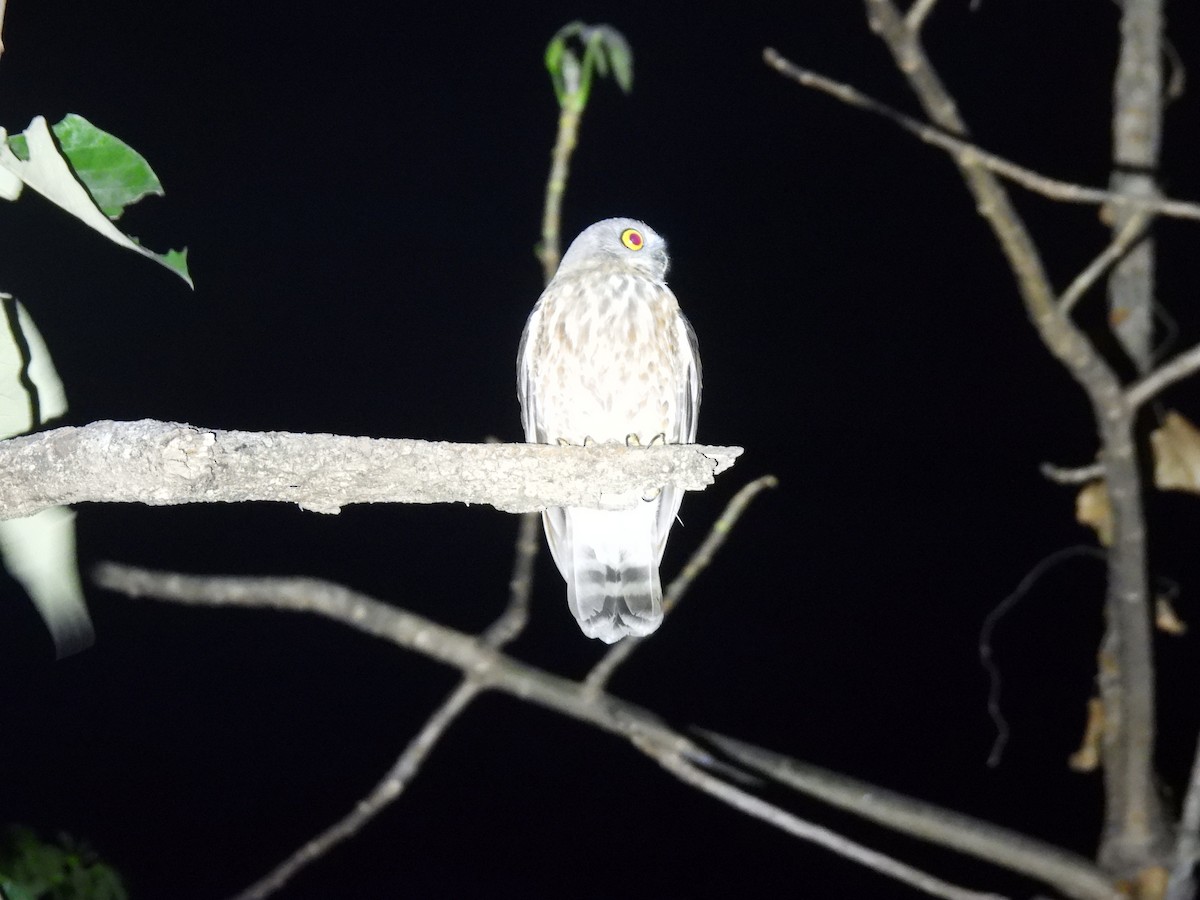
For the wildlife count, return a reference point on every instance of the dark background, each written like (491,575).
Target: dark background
(361,193)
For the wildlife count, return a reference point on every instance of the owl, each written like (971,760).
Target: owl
(607,357)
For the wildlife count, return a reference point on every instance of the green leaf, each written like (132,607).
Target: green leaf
(619,55)
(47,170)
(32,869)
(114,173)
(605,51)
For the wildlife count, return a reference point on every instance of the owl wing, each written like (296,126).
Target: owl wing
(554,520)
(687,401)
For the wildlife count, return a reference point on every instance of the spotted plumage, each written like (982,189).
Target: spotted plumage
(607,356)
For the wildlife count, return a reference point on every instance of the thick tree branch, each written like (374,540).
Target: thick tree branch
(162,463)
(491,669)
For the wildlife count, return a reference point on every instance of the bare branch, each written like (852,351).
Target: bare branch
(1135,828)
(687,772)
(406,768)
(162,463)
(1163,377)
(465,652)
(483,665)
(1125,237)
(1055,189)
(1065,871)
(598,678)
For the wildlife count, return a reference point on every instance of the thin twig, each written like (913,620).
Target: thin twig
(1053,188)
(1071,474)
(471,656)
(687,772)
(520,586)
(1130,232)
(1164,376)
(1067,872)
(992,619)
(387,790)
(598,678)
(914,19)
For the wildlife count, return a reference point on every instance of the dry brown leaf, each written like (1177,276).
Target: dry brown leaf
(1087,757)
(1092,509)
(1166,618)
(1176,445)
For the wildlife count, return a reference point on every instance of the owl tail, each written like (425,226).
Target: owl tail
(612,573)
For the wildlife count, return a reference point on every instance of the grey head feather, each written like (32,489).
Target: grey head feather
(601,244)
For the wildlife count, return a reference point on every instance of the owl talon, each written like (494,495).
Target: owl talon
(589,442)
(652,495)
(659,440)
(632,440)
(563,442)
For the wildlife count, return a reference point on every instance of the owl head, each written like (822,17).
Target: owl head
(624,241)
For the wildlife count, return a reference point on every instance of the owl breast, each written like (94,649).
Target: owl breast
(609,360)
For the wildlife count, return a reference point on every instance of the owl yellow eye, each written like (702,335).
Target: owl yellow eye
(632,238)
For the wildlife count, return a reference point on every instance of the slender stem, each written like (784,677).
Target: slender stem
(687,772)
(389,788)
(917,13)
(1067,872)
(1125,237)
(1163,377)
(570,113)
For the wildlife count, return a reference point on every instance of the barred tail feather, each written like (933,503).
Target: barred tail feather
(613,588)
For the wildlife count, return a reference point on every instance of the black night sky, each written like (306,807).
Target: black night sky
(361,191)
